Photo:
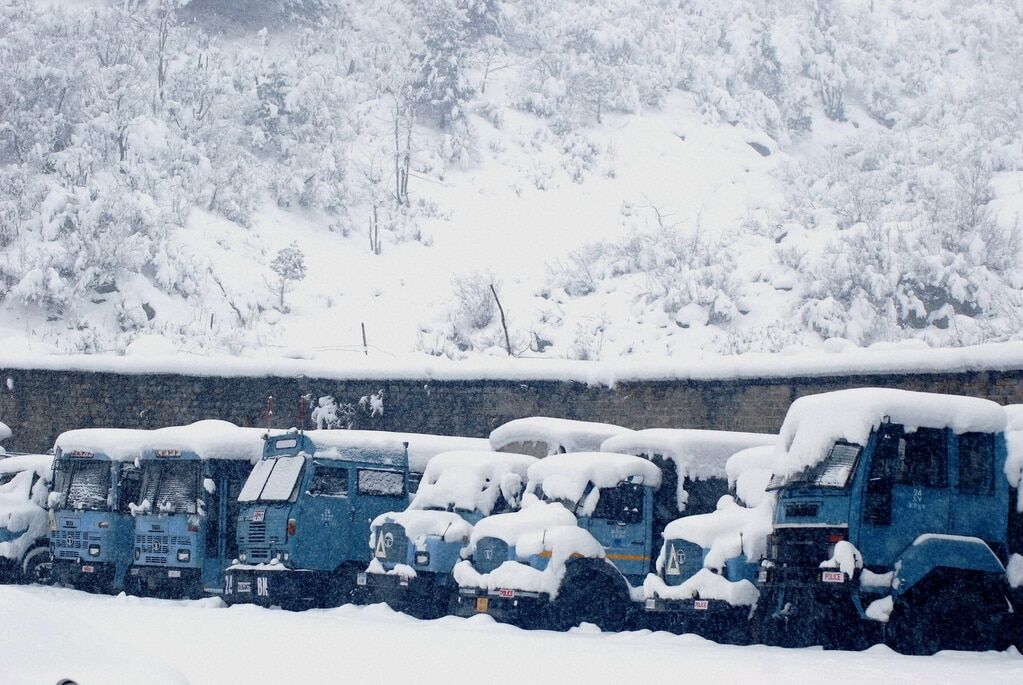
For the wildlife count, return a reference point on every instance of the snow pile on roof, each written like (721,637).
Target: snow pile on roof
(211,439)
(697,454)
(22,502)
(749,472)
(560,435)
(472,481)
(704,584)
(566,476)
(419,524)
(422,447)
(1014,447)
(814,423)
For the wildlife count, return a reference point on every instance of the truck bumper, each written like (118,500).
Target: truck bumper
(425,595)
(286,588)
(526,609)
(169,583)
(94,576)
(711,618)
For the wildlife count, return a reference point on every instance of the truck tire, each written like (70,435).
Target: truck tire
(36,566)
(949,609)
(590,594)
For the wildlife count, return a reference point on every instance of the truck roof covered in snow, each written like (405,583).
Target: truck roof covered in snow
(560,435)
(210,439)
(42,464)
(422,447)
(815,422)
(698,454)
(566,476)
(469,480)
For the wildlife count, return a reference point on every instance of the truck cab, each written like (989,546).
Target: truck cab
(585,530)
(890,523)
(415,550)
(185,519)
(304,518)
(91,527)
(24,541)
(707,567)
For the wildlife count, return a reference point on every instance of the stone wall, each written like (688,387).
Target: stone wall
(38,404)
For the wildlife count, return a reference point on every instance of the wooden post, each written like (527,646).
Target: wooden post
(365,347)
(504,324)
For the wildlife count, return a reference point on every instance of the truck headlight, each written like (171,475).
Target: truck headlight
(422,558)
(241,557)
(184,555)
(93,550)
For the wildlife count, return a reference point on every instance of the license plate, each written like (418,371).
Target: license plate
(506,593)
(403,582)
(257,515)
(173,573)
(482,604)
(88,568)
(700,604)
(651,604)
(762,577)
(360,579)
(833,577)
(244,586)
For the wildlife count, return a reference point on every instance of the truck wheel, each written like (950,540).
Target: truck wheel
(37,566)
(593,599)
(949,610)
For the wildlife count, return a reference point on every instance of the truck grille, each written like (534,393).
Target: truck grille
(154,560)
(257,533)
(490,553)
(75,539)
(258,555)
(802,546)
(152,544)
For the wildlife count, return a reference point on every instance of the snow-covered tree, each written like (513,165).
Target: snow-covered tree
(289,265)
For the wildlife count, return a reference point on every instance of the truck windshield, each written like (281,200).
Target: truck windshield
(83,484)
(273,480)
(833,472)
(171,487)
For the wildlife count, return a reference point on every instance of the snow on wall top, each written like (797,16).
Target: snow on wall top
(698,454)
(802,362)
(212,439)
(42,464)
(422,447)
(565,476)
(472,480)
(813,423)
(567,434)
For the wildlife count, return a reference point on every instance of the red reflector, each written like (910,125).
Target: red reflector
(193,527)
(836,537)
(292,526)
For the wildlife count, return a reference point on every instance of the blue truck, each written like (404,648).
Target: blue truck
(890,523)
(91,527)
(306,508)
(706,572)
(24,541)
(609,524)
(188,507)
(415,550)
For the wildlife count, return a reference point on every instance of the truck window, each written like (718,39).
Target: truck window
(923,458)
(622,504)
(328,482)
(378,482)
(976,463)
(130,485)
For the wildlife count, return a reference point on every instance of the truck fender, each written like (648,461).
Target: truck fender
(930,552)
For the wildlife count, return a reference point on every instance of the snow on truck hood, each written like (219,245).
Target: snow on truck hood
(419,524)
(472,480)
(815,422)
(566,476)
(568,434)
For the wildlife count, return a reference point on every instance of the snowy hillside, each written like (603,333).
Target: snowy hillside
(634,179)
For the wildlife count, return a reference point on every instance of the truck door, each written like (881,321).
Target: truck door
(621,522)
(324,524)
(907,491)
(979,496)
(379,491)
(213,497)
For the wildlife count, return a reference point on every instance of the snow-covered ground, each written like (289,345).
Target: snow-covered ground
(127,640)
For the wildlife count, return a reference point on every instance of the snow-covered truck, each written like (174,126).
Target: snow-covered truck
(306,508)
(891,521)
(706,572)
(187,507)
(590,526)
(95,479)
(414,550)
(541,436)
(24,542)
